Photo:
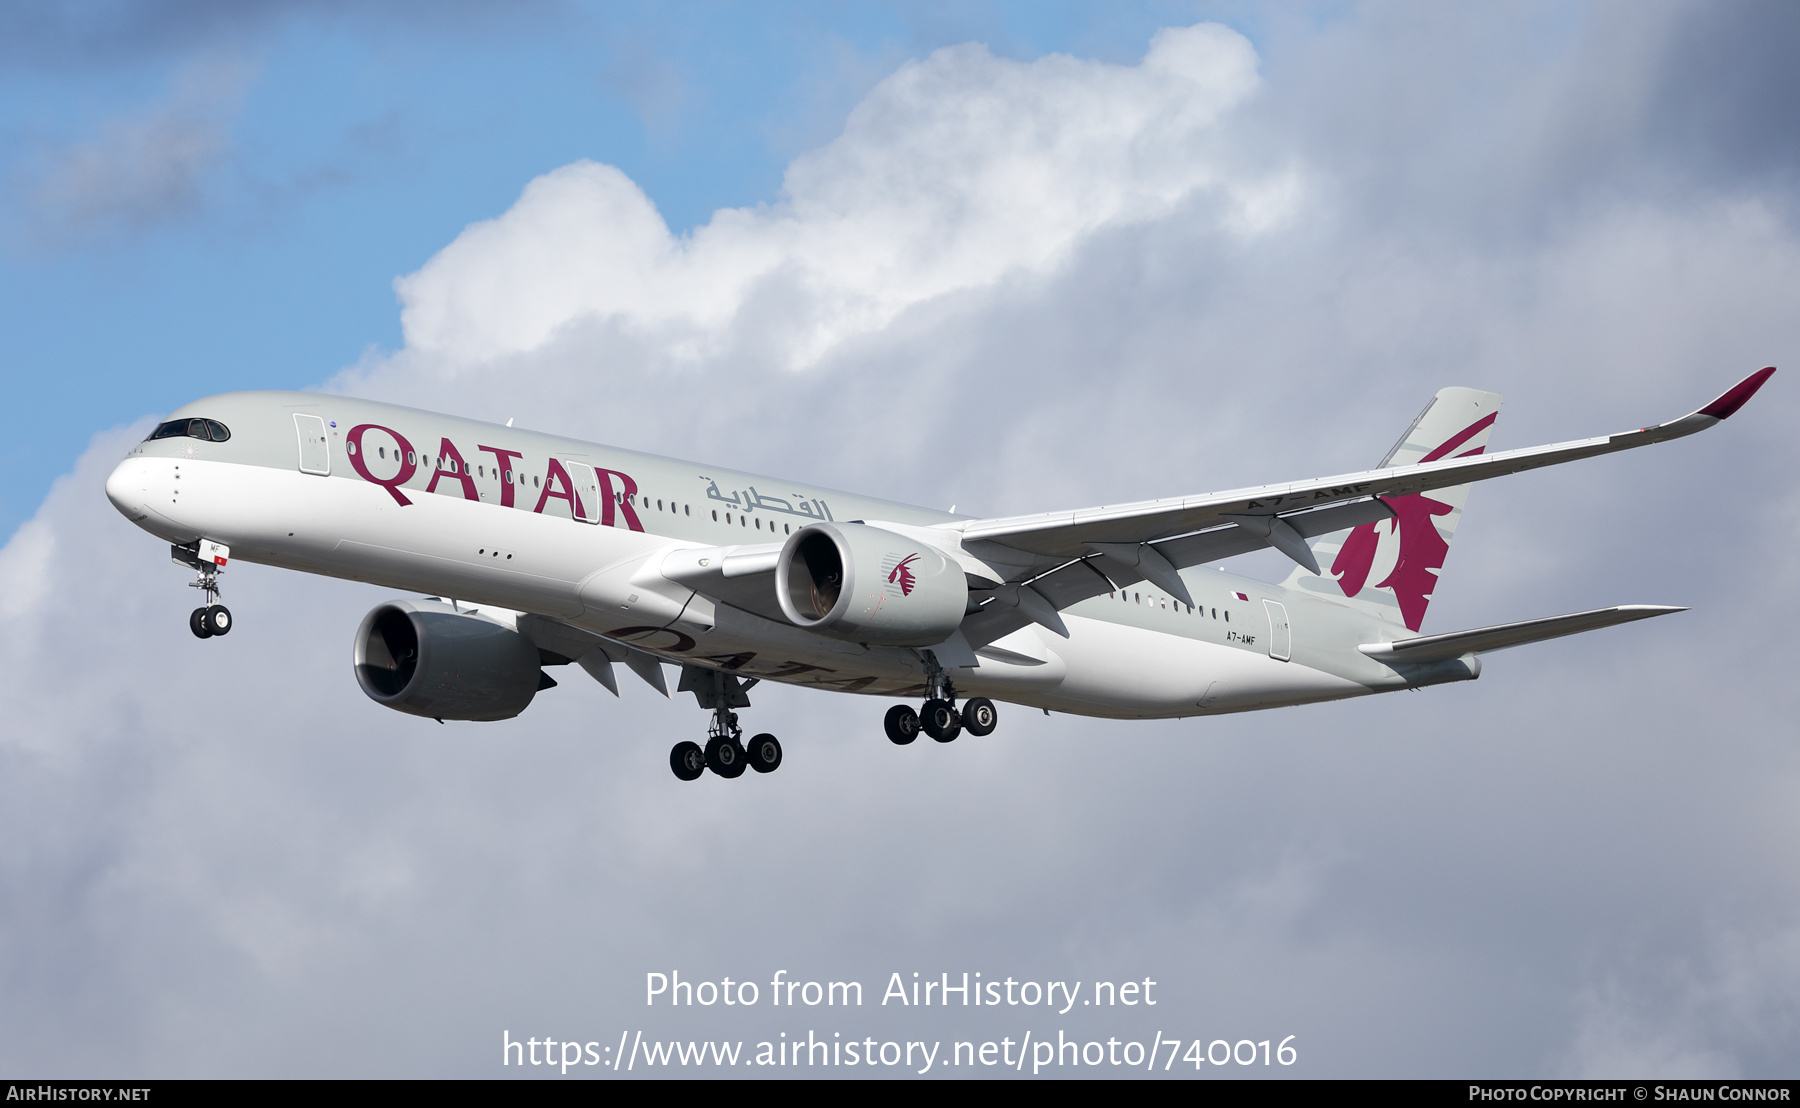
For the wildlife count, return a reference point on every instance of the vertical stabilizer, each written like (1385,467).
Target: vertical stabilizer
(1391,567)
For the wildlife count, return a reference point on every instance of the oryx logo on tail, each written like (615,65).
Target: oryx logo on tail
(1411,547)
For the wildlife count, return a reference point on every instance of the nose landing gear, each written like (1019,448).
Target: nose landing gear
(207,560)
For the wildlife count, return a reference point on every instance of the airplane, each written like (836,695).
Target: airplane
(531,551)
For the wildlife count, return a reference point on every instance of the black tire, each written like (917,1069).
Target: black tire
(902,724)
(725,757)
(198,625)
(764,753)
(979,717)
(218,619)
(940,721)
(687,761)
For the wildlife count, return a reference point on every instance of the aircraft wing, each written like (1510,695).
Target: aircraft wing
(1051,560)
(1073,534)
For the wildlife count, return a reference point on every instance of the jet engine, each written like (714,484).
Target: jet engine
(428,659)
(870,585)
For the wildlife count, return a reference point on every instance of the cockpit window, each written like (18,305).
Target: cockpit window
(202,429)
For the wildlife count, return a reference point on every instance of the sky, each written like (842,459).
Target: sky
(1008,257)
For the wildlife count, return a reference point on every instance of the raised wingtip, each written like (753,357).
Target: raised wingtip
(1737,395)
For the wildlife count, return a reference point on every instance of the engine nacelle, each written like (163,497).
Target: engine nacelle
(871,585)
(428,659)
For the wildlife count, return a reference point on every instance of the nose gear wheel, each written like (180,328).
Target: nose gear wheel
(212,618)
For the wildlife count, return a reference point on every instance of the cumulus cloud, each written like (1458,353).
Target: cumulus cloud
(953,173)
(1013,285)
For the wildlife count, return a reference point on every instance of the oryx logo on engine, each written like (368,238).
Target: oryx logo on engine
(899,575)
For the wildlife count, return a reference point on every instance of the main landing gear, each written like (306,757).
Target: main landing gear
(212,618)
(725,753)
(940,718)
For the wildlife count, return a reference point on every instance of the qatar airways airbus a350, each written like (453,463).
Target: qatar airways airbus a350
(538,551)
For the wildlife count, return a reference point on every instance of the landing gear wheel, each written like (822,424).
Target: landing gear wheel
(198,625)
(940,721)
(217,619)
(902,724)
(687,761)
(725,757)
(979,717)
(764,753)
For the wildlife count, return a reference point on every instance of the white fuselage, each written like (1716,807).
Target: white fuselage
(495,516)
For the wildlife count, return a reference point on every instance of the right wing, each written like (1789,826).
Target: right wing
(1064,557)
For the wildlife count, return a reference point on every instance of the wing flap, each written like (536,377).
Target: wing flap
(1432,648)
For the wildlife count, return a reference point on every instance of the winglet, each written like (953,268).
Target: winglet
(1737,395)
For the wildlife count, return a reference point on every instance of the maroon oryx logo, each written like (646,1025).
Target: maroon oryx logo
(1422,546)
(903,576)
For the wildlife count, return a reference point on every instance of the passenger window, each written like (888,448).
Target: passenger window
(534,482)
(1228,615)
(759,523)
(727,519)
(659,506)
(715,515)
(784,529)
(687,509)
(409,457)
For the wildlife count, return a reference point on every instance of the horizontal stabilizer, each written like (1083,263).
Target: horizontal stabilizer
(1431,648)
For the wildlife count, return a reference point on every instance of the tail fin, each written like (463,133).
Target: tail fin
(1390,568)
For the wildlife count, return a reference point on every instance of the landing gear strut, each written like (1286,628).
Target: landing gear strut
(725,753)
(213,618)
(940,718)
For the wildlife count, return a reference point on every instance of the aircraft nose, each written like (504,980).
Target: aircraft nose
(127,488)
